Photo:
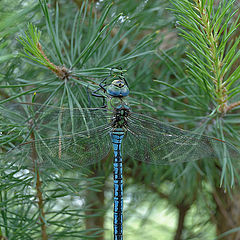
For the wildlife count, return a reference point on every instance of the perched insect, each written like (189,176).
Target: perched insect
(143,138)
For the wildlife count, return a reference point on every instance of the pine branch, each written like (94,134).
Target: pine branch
(40,201)
(209,32)
(33,50)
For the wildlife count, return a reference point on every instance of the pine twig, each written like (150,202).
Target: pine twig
(216,61)
(231,106)
(220,204)
(33,50)
(61,71)
(40,201)
(214,53)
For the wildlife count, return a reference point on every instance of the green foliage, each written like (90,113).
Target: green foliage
(71,46)
(74,51)
(87,53)
(31,46)
(210,32)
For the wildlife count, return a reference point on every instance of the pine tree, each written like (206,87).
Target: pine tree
(182,64)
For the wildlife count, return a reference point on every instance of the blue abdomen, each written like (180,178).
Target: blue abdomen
(116,137)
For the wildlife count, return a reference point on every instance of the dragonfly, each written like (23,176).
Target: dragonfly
(114,126)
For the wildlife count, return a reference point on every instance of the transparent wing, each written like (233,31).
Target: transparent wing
(53,119)
(154,142)
(68,151)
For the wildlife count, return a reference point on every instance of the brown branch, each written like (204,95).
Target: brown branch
(4,94)
(3,238)
(160,194)
(62,72)
(223,210)
(233,105)
(182,210)
(40,206)
(40,201)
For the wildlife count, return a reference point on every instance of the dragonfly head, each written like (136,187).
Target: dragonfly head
(118,88)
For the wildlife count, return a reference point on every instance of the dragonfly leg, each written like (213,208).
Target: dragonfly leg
(95,94)
(102,86)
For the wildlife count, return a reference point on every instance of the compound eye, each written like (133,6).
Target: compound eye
(120,84)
